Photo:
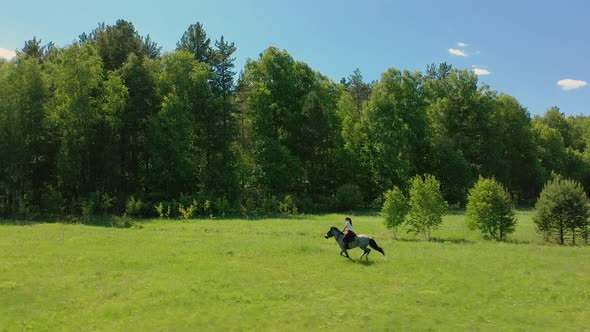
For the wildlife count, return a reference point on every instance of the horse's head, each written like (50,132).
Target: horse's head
(332,232)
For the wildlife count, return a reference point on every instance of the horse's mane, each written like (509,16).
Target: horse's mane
(334,228)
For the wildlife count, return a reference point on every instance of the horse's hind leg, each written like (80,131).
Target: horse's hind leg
(365,253)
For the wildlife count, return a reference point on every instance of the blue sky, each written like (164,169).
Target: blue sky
(522,48)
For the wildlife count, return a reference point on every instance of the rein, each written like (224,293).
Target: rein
(339,234)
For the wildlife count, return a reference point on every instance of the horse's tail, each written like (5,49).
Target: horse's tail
(374,245)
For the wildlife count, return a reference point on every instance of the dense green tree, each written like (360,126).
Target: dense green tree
(562,146)
(8,120)
(21,130)
(223,162)
(349,197)
(178,142)
(562,210)
(427,205)
(151,48)
(114,43)
(106,118)
(358,89)
(489,209)
(462,114)
(291,111)
(140,76)
(85,108)
(580,132)
(463,118)
(34,49)
(448,163)
(395,208)
(519,167)
(222,64)
(195,41)
(355,167)
(395,126)
(551,148)
(555,119)
(197,122)
(28,148)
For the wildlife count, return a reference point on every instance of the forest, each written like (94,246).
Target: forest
(110,123)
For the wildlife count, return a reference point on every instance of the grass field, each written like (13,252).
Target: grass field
(282,275)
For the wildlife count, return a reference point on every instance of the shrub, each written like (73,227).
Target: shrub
(270,205)
(208,208)
(288,205)
(186,212)
(562,210)
(249,206)
(163,210)
(27,210)
(87,209)
(304,203)
(125,222)
(349,197)
(249,201)
(133,207)
(222,206)
(395,208)
(121,222)
(378,202)
(324,204)
(105,203)
(53,202)
(427,205)
(489,209)
(97,203)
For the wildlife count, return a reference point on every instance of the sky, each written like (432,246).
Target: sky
(536,51)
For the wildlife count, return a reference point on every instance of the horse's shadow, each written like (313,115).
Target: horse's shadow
(363,262)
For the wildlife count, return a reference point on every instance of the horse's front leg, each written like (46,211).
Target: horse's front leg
(345,254)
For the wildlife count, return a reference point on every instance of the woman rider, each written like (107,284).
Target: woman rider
(349,234)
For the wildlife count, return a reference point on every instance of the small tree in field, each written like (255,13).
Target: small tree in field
(562,210)
(489,209)
(395,208)
(427,205)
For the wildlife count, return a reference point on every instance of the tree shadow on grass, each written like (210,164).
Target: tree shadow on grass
(16,222)
(512,241)
(451,240)
(465,241)
(456,212)
(96,221)
(437,240)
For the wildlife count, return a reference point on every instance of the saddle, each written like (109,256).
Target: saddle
(349,237)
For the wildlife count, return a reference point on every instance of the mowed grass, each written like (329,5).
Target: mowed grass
(282,275)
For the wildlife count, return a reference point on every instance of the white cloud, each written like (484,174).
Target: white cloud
(457,52)
(461,44)
(481,71)
(569,84)
(7,54)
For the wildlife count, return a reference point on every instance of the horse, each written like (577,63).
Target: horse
(361,241)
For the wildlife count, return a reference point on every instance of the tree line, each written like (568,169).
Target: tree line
(110,119)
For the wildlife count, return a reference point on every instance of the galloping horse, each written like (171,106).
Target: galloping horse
(361,241)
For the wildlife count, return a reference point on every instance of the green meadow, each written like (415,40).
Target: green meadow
(281,274)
